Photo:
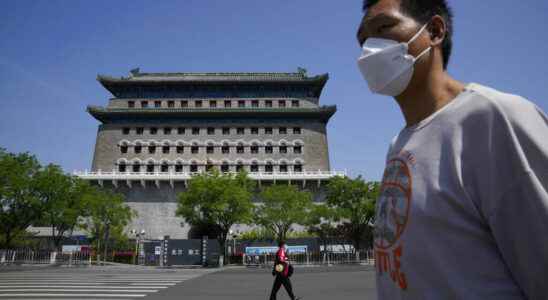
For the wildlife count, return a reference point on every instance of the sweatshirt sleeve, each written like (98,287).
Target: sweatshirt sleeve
(519,218)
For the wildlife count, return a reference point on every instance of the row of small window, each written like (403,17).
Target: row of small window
(211,149)
(211,130)
(214,103)
(225,167)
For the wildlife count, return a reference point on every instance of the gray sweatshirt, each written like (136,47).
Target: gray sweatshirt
(463,211)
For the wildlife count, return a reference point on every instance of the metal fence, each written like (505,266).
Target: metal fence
(313,258)
(42,257)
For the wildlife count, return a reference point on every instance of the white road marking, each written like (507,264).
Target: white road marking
(90,286)
(72,295)
(88,280)
(78,290)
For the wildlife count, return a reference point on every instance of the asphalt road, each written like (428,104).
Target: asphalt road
(134,282)
(314,283)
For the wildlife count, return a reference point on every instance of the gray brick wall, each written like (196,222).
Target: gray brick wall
(313,136)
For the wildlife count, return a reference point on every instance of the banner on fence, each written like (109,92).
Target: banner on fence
(340,248)
(71,248)
(272,250)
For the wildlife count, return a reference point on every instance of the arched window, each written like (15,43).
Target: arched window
(268,148)
(136,167)
(164,168)
(254,149)
(225,149)
(268,168)
(178,167)
(254,168)
(239,166)
(283,167)
(122,167)
(150,167)
(225,167)
(240,148)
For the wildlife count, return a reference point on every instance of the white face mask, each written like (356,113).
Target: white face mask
(387,65)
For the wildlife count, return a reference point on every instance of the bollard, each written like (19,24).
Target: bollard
(53,257)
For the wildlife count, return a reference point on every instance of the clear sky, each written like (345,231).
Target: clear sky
(51,52)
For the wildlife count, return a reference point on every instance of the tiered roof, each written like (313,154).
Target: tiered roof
(138,79)
(323,113)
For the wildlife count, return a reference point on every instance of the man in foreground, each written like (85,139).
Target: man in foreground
(463,211)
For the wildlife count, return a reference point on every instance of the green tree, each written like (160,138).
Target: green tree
(107,213)
(281,207)
(257,234)
(220,200)
(354,202)
(322,222)
(20,205)
(62,200)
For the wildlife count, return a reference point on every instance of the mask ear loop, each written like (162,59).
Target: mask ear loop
(423,53)
(417,34)
(415,37)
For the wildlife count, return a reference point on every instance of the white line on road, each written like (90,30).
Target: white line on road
(77,290)
(147,284)
(79,286)
(100,281)
(102,296)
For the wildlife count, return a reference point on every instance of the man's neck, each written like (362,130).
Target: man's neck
(429,96)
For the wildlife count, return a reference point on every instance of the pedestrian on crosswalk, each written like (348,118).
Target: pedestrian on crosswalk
(282,270)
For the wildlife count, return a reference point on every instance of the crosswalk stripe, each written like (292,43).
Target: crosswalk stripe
(75,298)
(147,284)
(78,290)
(100,281)
(92,275)
(90,286)
(84,285)
(72,295)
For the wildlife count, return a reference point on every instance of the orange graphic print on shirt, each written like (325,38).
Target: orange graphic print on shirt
(391,216)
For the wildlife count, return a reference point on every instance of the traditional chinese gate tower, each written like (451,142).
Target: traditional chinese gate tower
(161,127)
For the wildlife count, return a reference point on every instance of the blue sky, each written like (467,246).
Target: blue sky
(51,52)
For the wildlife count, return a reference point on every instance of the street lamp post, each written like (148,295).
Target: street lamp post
(138,236)
(233,235)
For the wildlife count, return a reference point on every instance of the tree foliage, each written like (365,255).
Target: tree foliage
(107,213)
(20,205)
(322,222)
(354,203)
(283,206)
(220,200)
(62,199)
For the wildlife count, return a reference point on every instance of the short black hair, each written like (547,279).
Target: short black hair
(422,11)
(281,243)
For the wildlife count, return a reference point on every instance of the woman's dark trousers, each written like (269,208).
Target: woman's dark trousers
(278,282)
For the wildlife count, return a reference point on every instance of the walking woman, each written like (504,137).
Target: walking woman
(282,270)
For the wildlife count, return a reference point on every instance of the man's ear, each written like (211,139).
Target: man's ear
(438,30)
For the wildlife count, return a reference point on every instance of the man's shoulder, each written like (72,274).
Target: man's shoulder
(511,107)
